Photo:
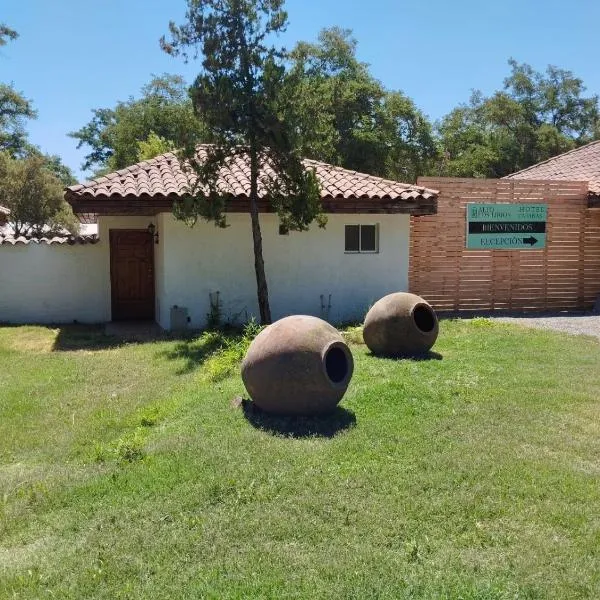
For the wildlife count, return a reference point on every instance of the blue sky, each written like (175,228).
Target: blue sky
(75,55)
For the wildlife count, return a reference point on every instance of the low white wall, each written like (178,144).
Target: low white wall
(300,268)
(52,284)
(41,283)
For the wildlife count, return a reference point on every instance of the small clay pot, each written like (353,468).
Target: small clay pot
(299,365)
(400,324)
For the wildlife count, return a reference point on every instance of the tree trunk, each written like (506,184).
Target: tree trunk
(259,263)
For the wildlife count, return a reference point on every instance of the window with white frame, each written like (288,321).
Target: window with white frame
(362,239)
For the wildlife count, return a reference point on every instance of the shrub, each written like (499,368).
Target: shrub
(227,358)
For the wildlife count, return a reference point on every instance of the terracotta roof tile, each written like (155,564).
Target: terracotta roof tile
(163,176)
(581,164)
(70,240)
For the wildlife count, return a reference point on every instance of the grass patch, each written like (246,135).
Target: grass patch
(126,472)
(353,334)
(229,355)
(33,340)
(218,351)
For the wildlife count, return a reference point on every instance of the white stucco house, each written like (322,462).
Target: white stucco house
(145,264)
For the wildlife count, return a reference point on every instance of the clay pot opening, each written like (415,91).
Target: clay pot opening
(337,365)
(424,317)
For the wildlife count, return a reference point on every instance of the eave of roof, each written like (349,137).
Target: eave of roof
(152,186)
(579,164)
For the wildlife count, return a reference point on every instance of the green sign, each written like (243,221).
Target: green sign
(506,226)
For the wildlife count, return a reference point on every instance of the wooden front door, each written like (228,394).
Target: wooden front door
(131,274)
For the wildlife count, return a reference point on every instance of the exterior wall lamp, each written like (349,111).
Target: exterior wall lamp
(152,231)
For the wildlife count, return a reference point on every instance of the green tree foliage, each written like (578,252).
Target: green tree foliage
(34,196)
(31,182)
(7,34)
(248,107)
(114,134)
(349,118)
(536,116)
(55,165)
(15,109)
(152,146)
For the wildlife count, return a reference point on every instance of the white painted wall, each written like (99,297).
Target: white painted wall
(54,284)
(42,283)
(300,267)
(51,284)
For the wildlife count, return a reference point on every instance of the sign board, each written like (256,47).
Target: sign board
(506,226)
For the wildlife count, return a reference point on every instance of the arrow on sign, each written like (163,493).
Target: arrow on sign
(530,240)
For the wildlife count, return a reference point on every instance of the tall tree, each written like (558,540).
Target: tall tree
(242,96)
(536,116)
(350,119)
(34,196)
(114,134)
(15,109)
(54,164)
(7,34)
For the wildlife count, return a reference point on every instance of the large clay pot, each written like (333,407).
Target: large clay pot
(400,324)
(299,365)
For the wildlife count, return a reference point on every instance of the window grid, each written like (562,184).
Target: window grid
(362,239)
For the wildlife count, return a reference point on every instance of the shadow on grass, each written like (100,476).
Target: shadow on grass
(326,426)
(193,352)
(96,337)
(84,337)
(197,347)
(429,355)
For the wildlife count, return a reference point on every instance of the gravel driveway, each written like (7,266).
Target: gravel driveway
(575,323)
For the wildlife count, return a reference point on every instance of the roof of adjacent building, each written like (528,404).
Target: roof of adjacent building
(580,164)
(163,177)
(4,210)
(70,240)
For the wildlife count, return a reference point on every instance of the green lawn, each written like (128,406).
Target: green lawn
(125,472)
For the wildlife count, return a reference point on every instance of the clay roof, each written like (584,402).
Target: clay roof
(70,240)
(581,164)
(163,176)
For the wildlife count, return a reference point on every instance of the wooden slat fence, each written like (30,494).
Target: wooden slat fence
(564,275)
